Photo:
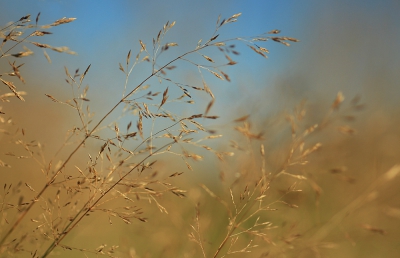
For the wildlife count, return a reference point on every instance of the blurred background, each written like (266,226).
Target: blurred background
(345,46)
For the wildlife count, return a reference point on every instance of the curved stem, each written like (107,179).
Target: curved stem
(85,211)
(89,134)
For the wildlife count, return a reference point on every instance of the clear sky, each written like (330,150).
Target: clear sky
(105,30)
(342,43)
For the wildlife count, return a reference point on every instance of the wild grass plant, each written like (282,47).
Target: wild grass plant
(101,187)
(133,170)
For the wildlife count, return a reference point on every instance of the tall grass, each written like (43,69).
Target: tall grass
(275,191)
(120,168)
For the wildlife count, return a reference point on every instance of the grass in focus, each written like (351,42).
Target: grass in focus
(280,192)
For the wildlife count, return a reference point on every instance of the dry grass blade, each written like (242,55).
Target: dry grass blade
(37,18)
(214,38)
(210,104)
(84,74)
(171,25)
(207,89)
(226,76)
(233,18)
(140,126)
(5,96)
(142,45)
(25,53)
(312,149)
(264,49)
(68,75)
(242,119)
(281,40)
(53,99)
(41,33)
(24,18)
(211,117)
(121,68)
(258,51)
(208,58)
(41,45)
(231,62)
(164,99)
(63,21)
(46,56)
(274,32)
(16,71)
(216,74)
(128,57)
(12,88)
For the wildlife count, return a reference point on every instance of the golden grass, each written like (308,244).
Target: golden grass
(288,189)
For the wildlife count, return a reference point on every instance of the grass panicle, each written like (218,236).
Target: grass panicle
(122,167)
(291,184)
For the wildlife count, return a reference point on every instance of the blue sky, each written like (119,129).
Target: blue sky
(106,30)
(342,42)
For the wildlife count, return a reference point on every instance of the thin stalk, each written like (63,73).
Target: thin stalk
(16,44)
(52,179)
(76,220)
(236,222)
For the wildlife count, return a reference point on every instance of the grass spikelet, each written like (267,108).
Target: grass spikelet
(164,99)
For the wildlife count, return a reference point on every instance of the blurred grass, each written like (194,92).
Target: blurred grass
(341,56)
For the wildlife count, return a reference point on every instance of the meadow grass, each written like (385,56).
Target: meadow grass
(281,198)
